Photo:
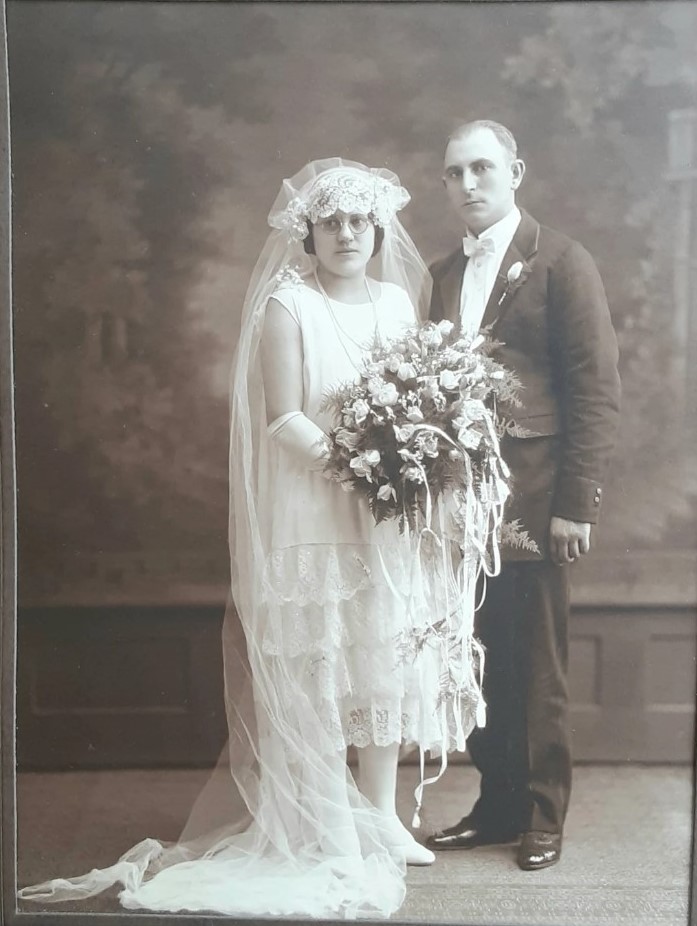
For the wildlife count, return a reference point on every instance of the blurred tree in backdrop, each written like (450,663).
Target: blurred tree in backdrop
(120,444)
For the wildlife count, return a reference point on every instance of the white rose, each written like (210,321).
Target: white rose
(405,433)
(430,388)
(363,464)
(474,409)
(385,394)
(428,444)
(406,371)
(430,336)
(470,410)
(361,410)
(468,438)
(386,492)
(393,363)
(346,438)
(413,474)
(449,380)
(445,327)
(514,272)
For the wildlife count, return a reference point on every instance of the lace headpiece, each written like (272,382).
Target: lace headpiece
(344,189)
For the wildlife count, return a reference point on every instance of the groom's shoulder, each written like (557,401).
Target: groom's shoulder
(553,243)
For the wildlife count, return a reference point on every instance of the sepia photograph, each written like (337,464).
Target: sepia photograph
(347,441)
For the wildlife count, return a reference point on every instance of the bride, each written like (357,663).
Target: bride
(319,590)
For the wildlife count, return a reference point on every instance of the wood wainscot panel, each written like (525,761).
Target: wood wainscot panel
(633,651)
(632,682)
(119,687)
(135,678)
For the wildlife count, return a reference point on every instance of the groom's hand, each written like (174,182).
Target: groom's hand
(568,540)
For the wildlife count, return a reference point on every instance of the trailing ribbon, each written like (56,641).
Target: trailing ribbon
(482,519)
(482,515)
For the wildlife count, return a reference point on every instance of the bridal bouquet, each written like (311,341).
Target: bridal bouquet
(421,421)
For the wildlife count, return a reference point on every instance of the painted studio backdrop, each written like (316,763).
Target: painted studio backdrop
(148,143)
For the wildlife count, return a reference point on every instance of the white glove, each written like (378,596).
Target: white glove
(301,438)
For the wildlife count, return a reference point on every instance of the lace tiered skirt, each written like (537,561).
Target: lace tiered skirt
(347,627)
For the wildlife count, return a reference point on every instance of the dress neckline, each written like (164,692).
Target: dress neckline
(351,305)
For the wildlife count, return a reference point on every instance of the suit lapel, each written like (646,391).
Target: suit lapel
(523,247)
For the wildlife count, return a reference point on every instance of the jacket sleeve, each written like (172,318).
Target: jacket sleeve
(584,347)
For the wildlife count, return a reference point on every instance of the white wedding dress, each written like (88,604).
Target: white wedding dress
(332,571)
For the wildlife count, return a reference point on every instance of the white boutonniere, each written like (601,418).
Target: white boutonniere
(516,275)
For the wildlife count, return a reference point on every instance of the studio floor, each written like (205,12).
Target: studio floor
(626,857)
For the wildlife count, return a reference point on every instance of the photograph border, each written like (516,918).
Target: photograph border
(8,551)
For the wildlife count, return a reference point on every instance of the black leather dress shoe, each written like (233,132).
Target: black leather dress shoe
(539,850)
(468,834)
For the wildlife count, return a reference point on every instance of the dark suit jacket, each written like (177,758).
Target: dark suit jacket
(558,337)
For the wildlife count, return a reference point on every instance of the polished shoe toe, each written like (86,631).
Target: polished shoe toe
(469,834)
(539,850)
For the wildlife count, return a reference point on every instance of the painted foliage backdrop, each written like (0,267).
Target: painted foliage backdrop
(149,141)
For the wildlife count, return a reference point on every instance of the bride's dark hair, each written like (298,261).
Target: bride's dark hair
(309,242)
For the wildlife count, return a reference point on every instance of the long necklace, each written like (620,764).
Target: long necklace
(341,333)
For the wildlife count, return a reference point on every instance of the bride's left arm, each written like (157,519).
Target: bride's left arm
(282,371)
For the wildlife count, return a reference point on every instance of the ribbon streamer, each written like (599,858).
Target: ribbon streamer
(483,515)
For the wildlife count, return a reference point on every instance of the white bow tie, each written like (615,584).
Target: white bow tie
(478,247)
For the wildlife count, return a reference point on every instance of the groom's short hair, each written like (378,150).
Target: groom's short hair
(503,135)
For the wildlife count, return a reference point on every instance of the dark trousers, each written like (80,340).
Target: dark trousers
(523,753)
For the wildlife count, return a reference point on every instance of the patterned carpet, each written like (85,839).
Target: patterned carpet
(626,859)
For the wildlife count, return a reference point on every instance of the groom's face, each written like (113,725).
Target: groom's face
(481,178)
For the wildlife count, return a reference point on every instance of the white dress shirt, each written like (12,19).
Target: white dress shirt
(480,272)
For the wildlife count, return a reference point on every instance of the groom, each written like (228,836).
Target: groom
(541,296)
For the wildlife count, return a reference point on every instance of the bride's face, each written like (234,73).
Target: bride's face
(344,243)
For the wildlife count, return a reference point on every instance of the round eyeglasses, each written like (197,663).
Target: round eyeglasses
(333,225)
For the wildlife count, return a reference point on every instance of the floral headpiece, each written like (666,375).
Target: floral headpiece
(344,189)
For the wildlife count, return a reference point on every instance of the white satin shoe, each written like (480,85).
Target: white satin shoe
(401,838)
